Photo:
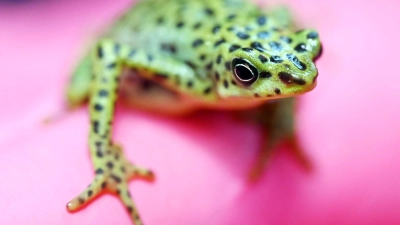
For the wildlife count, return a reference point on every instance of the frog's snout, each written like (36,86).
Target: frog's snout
(319,53)
(296,83)
(314,81)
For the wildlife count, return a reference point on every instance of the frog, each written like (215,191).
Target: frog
(176,57)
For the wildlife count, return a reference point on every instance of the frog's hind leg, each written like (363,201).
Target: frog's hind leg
(282,16)
(277,119)
(77,91)
(113,170)
(78,88)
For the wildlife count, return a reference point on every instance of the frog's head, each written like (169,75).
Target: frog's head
(273,68)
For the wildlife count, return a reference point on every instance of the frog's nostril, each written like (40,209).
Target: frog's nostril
(289,79)
(300,81)
(285,77)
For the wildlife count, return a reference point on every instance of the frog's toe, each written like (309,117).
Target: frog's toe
(299,154)
(89,194)
(265,154)
(112,176)
(128,169)
(126,199)
(258,168)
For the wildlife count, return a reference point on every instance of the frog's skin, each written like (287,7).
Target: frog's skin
(178,56)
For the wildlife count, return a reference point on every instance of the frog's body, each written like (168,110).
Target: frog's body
(178,56)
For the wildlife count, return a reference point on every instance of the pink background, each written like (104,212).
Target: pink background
(349,126)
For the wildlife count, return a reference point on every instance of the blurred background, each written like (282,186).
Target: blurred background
(349,126)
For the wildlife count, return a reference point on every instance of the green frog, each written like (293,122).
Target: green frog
(178,56)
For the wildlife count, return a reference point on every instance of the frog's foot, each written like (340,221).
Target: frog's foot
(297,151)
(113,172)
(266,153)
(262,160)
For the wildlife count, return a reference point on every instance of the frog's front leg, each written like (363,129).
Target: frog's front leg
(113,170)
(277,119)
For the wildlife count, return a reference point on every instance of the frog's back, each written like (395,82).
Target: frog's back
(176,21)
(174,27)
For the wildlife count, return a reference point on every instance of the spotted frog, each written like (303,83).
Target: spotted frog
(178,56)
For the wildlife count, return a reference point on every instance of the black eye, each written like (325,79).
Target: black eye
(244,71)
(319,54)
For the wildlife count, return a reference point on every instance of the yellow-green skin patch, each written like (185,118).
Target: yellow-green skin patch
(218,54)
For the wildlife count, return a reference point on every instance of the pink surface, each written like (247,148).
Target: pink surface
(349,126)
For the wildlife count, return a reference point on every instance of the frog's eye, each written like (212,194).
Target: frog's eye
(244,71)
(318,54)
